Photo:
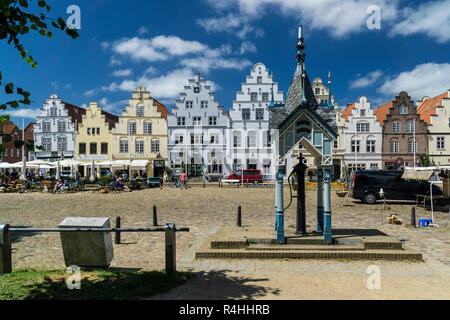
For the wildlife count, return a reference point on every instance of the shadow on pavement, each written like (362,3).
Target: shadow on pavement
(219,285)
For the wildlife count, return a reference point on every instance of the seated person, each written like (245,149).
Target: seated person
(65,185)
(3,186)
(121,185)
(58,186)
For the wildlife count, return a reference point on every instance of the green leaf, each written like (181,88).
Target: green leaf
(49,35)
(18,144)
(23,3)
(4,117)
(7,138)
(61,23)
(13,104)
(42,32)
(9,88)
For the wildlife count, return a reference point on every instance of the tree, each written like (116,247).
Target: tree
(16,21)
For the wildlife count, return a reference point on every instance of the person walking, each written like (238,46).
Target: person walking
(183,178)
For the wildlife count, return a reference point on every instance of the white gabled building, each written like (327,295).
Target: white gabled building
(196,131)
(55,129)
(362,136)
(248,143)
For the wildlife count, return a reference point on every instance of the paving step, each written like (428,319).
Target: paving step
(311,254)
(382,245)
(289,247)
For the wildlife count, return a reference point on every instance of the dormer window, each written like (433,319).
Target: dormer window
(363,113)
(140,111)
(196,89)
(189,104)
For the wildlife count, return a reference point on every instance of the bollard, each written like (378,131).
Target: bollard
(155,217)
(170,248)
(5,249)
(413,217)
(239,216)
(117,237)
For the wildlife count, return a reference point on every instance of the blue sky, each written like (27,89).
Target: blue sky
(159,44)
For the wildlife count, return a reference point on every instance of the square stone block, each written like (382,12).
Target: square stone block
(87,249)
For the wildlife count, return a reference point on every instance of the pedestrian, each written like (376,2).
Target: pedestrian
(183,178)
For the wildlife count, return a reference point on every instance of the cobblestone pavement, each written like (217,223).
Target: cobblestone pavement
(204,210)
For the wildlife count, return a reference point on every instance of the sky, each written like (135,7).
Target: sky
(160,44)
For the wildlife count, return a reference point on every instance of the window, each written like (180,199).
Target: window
(236,139)
(93,148)
(53,112)
(394,146)
(181,121)
(259,114)
(104,148)
(355,145)
(362,127)
(412,146)
(196,89)
(266,139)
(236,164)
(197,121)
(147,128)
(140,111)
(179,139)
(363,112)
(266,167)
(98,130)
(88,130)
(155,146)
(374,166)
(47,144)
(82,148)
(410,126)
(46,127)
(265,96)
(259,79)
(370,146)
(62,144)
(197,138)
(251,139)
(18,153)
(317,90)
(214,139)
(403,110)
(245,114)
(123,146)
(212,121)
(254,96)
(131,127)
(440,143)
(203,104)
(396,127)
(189,104)
(61,126)
(139,146)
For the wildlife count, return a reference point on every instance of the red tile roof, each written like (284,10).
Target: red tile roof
(7,127)
(428,107)
(75,112)
(348,110)
(382,111)
(160,107)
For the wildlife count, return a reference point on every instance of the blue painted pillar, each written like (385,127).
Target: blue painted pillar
(327,233)
(319,199)
(279,206)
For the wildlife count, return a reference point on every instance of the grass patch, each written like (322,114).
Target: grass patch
(29,284)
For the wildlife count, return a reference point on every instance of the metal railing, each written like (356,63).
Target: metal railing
(6,231)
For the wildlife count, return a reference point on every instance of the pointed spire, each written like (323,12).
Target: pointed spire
(301,60)
(272,100)
(330,104)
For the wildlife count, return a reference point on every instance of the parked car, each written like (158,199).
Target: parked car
(366,186)
(250,176)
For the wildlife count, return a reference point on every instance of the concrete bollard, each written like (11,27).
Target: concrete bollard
(171,263)
(155,217)
(117,235)
(5,249)
(239,216)
(413,217)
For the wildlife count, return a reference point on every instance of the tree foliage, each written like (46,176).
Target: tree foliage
(16,21)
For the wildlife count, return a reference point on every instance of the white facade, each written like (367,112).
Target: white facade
(197,131)
(247,138)
(362,136)
(55,130)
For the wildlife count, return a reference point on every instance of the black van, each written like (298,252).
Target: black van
(366,186)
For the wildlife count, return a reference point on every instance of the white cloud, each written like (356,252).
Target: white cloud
(90,92)
(431,18)
(104,45)
(21,113)
(122,73)
(429,79)
(247,46)
(231,23)
(205,64)
(367,80)
(340,18)
(142,30)
(114,62)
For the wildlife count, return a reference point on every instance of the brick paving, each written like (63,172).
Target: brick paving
(204,211)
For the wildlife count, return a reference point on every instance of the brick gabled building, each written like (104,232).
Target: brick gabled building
(399,119)
(11,154)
